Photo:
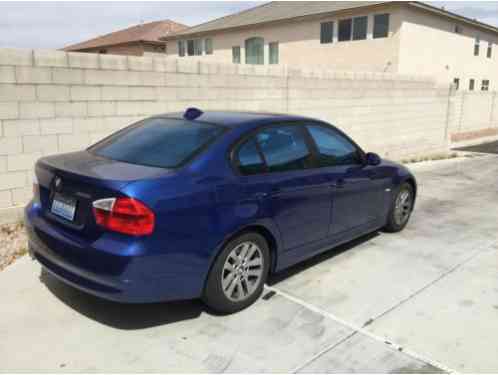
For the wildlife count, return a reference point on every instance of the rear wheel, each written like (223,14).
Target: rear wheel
(401,208)
(238,275)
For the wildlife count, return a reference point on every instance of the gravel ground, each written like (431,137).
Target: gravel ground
(13,243)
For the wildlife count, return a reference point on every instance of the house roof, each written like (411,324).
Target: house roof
(273,11)
(288,10)
(147,32)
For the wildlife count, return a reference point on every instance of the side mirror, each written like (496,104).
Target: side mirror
(372,158)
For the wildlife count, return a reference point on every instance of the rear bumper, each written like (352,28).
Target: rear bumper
(106,268)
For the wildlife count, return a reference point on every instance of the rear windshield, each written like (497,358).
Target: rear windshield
(158,142)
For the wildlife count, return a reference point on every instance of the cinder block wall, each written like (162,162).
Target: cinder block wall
(474,115)
(53,102)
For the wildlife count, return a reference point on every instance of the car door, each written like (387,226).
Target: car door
(357,192)
(298,198)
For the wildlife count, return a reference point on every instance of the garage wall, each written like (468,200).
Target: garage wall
(54,102)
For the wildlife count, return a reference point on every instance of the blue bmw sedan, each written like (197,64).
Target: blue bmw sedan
(207,205)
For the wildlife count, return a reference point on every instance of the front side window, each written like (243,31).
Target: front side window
(158,142)
(345,29)
(381,26)
(181,48)
(472,84)
(249,159)
(333,148)
(284,148)
(190,48)
(273,46)
(476,46)
(360,28)
(485,85)
(326,32)
(255,51)
(208,46)
(490,50)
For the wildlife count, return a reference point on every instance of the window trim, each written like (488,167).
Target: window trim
(472,84)
(350,19)
(353,28)
(277,44)
(388,25)
(254,39)
(232,154)
(239,49)
(322,39)
(210,50)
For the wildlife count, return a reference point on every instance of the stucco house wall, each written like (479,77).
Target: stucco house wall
(299,44)
(430,46)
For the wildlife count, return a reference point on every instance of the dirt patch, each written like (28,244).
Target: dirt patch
(13,243)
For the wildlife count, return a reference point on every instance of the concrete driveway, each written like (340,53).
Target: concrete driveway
(424,300)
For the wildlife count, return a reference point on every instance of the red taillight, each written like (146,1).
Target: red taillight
(124,215)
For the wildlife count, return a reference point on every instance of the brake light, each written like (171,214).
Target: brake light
(124,215)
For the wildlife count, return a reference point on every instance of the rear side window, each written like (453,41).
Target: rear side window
(284,148)
(250,161)
(159,142)
(333,148)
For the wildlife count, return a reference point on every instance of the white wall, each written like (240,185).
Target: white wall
(53,102)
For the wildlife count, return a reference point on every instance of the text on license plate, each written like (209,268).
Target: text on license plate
(64,207)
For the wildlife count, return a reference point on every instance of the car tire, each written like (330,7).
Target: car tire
(401,208)
(243,263)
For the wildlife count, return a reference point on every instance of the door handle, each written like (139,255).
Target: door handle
(260,195)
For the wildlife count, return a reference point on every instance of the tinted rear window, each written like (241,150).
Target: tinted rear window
(158,142)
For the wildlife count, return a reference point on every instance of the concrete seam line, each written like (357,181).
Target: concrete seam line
(442,276)
(322,352)
(363,331)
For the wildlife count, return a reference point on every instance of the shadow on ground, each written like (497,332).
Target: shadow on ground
(141,316)
(486,148)
(119,315)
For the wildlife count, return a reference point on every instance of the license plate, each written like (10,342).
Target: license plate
(64,207)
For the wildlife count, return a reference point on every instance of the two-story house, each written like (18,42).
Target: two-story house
(396,37)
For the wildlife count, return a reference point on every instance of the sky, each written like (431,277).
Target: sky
(58,24)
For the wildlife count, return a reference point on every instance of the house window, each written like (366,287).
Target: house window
(381,26)
(472,84)
(457,29)
(190,47)
(181,48)
(456,83)
(490,50)
(273,46)
(236,55)
(345,29)
(198,47)
(102,51)
(360,28)
(326,32)
(255,51)
(476,46)
(485,85)
(208,46)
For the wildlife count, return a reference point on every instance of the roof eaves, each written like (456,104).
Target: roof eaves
(186,33)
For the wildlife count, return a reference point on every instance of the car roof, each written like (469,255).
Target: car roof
(233,118)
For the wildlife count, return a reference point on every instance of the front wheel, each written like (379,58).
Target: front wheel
(238,275)
(401,208)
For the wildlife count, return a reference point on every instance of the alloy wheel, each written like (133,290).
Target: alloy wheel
(242,272)
(403,207)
